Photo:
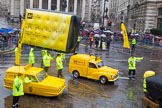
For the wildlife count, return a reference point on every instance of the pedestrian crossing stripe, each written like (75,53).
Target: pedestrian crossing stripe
(123,78)
(156,60)
(120,60)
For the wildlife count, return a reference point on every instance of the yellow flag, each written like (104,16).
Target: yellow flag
(125,36)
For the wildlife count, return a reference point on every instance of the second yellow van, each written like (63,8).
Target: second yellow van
(92,67)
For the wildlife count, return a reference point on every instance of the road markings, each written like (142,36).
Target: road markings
(121,60)
(123,77)
(156,60)
(139,61)
(82,44)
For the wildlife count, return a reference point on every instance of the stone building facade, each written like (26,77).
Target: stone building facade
(144,15)
(78,7)
(4,7)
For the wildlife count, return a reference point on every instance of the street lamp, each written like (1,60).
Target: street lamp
(104,12)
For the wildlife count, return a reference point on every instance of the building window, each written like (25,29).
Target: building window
(160,11)
(35,3)
(44,4)
(71,6)
(53,5)
(159,23)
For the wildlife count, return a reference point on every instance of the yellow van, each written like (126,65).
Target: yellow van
(92,67)
(42,84)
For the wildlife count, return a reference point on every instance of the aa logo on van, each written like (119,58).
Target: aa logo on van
(30,15)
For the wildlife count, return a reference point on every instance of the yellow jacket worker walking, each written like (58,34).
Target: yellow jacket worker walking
(17,90)
(47,61)
(31,57)
(145,76)
(133,44)
(59,65)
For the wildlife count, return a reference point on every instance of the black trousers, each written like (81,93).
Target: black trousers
(132,72)
(77,45)
(60,73)
(133,48)
(46,69)
(15,100)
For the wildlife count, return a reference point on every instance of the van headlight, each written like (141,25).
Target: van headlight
(59,88)
(112,76)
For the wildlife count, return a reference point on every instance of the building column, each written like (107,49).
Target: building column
(90,7)
(31,4)
(40,4)
(12,7)
(83,9)
(49,4)
(58,5)
(21,7)
(75,7)
(66,10)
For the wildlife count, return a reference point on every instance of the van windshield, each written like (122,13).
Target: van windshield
(42,75)
(100,64)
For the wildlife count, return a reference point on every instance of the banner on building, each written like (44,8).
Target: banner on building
(125,36)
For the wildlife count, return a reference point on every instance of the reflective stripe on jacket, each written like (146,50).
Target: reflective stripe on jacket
(59,64)
(17,89)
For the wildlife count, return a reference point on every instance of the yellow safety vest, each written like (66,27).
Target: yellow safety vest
(47,60)
(133,41)
(59,64)
(17,89)
(78,39)
(132,62)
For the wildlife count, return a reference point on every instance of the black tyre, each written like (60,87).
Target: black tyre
(76,74)
(103,80)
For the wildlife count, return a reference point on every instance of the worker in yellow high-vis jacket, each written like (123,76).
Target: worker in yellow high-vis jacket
(133,44)
(145,76)
(132,66)
(47,60)
(17,90)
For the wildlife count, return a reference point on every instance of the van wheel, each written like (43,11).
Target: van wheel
(76,74)
(103,80)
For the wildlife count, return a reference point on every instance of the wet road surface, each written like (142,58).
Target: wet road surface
(86,93)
